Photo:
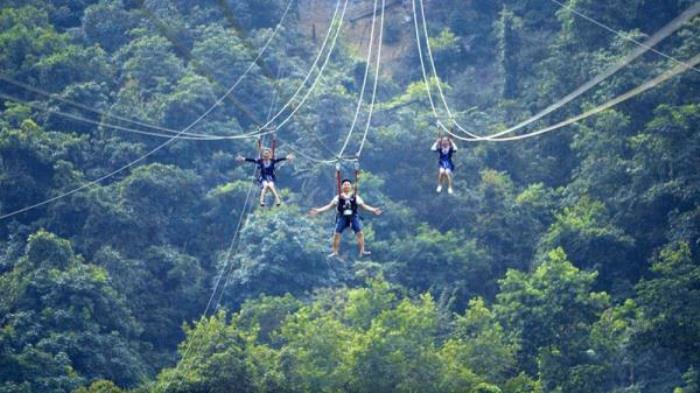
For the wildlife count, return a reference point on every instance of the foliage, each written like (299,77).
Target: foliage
(562,263)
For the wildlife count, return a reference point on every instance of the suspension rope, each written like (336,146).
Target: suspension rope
(225,272)
(376,81)
(370,46)
(339,155)
(57,97)
(318,76)
(236,235)
(620,34)
(171,139)
(185,136)
(438,85)
(664,32)
(683,67)
(422,67)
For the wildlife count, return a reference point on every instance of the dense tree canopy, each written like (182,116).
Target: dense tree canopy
(567,262)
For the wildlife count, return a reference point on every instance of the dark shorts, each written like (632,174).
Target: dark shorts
(343,222)
(445,164)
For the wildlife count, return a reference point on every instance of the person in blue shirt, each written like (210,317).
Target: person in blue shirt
(347,204)
(266,173)
(445,148)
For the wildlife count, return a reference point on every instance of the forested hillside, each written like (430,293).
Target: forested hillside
(135,256)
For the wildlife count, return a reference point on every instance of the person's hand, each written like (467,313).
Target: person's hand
(290,157)
(313,212)
(240,158)
(377,212)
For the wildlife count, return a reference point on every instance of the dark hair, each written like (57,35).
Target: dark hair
(346,180)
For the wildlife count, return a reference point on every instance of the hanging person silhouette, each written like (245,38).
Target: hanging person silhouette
(445,147)
(347,204)
(266,170)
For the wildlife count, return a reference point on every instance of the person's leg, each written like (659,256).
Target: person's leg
(263,191)
(441,173)
(357,228)
(340,224)
(448,174)
(271,186)
(361,243)
(336,244)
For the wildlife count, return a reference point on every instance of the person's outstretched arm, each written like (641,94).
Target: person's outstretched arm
(240,158)
(453,144)
(288,157)
(435,145)
(317,210)
(374,210)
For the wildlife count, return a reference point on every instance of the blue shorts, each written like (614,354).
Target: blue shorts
(343,222)
(445,164)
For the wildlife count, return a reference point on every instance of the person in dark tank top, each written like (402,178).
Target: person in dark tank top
(347,204)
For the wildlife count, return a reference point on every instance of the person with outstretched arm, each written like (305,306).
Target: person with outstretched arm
(347,204)
(266,173)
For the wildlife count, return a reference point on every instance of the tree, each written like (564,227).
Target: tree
(551,310)
(65,322)
(279,252)
(669,305)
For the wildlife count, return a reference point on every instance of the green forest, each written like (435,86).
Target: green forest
(135,255)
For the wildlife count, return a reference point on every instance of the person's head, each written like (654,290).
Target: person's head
(346,186)
(445,142)
(267,154)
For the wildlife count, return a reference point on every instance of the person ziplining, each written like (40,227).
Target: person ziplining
(347,204)
(266,170)
(445,147)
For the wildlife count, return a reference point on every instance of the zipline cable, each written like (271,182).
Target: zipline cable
(424,74)
(432,66)
(57,97)
(209,137)
(236,234)
(617,100)
(620,34)
(227,259)
(370,47)
(664,32)
(194,136)
(298,106)
(376,81)
(103,124)
(167,142)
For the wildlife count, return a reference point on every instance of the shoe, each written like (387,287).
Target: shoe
(365,253)
(278,203)
(262,204)
(450,190)
(438,189)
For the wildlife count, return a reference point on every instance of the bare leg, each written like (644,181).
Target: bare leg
(336,244)
(439,186)
(262,194)
(449,181)
(361,243)
(271,186)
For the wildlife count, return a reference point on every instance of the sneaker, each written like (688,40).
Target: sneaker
(365,253)
(450,190)
(438,189)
